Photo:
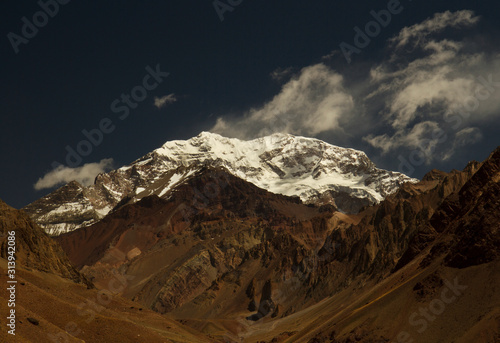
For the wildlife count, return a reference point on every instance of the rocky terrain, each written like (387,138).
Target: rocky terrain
(56,303)
(218,259)
(315,171)
(224,256)
(206,243)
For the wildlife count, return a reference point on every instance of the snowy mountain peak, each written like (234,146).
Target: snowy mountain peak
(281,163)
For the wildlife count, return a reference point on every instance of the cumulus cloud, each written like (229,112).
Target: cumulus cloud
(312,102)
(165,100)
(84,174)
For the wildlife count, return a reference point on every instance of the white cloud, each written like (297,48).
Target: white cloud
(330,55)
(418,137)
(419,89)
(84,174)
(165,100)
(467,136)
(409,101)
(281,73)
(427,88)
(310,103)
(439,22)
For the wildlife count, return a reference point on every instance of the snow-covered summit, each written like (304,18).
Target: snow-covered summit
(286,164)
(281,163)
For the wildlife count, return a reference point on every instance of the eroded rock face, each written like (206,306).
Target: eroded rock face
(388,236)
(266,303)
(469,221)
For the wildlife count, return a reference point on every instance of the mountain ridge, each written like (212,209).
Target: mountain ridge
(281,163)
(243,264)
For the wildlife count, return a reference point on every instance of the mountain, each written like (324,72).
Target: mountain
(184,253)
(242,264)
(315,171)
(443,287)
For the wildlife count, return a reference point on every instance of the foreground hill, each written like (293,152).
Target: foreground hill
(34,249)
(443,288)
(55,303)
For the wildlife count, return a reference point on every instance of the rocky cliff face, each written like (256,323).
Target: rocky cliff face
(315,171)
(467,223)
(393,233)
(55,303)
(437,236)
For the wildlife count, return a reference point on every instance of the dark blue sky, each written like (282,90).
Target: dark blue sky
(64,79)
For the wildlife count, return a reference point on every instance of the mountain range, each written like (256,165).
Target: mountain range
(235,242)
(311,169)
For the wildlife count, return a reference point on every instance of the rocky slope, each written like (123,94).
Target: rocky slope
(55,303)
(281,163)
(34,249)
(443,288)
(466,224)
